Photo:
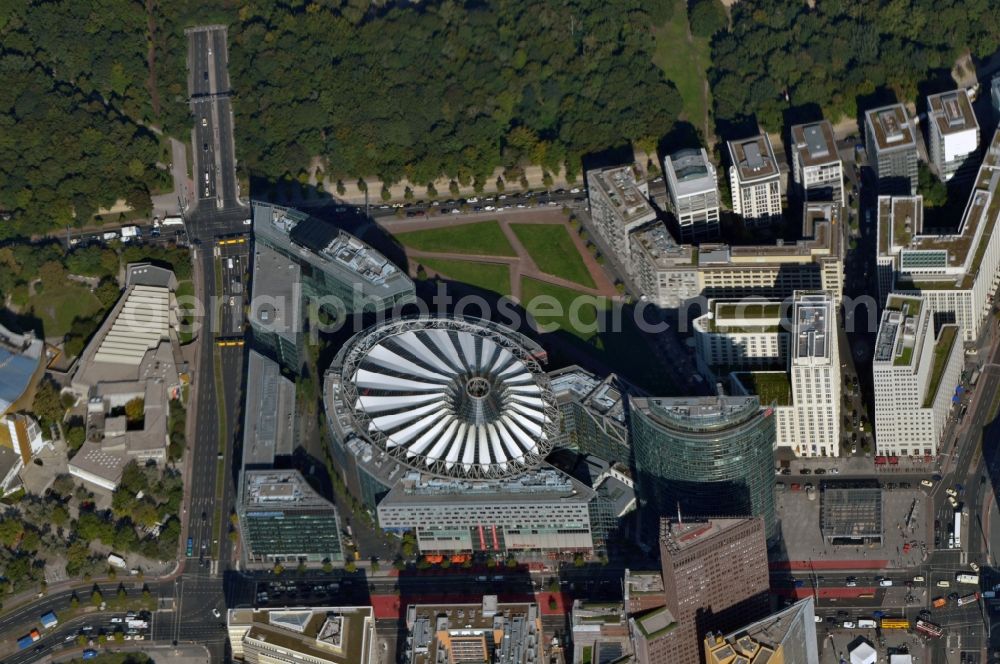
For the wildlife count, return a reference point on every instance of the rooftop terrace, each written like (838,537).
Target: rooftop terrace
(892,128)
(772,387)
(753,158)
(942,350)
(951,111)
(620,187)
(342,635)
(815,143)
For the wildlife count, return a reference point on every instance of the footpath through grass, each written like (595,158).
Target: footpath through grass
(686,64)
(553,251)
(482,238)
(488,276)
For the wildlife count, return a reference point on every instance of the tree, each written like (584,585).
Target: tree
(934,191)
(408,194)
(47,405)
(341,189)
(135,410)
(707,17)
(96,597)
(350,567)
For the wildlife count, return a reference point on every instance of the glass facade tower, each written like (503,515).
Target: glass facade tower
(707,456)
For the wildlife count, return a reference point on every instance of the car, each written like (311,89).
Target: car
(215,612)
(953,502)
(951,492)
(918,579)
(456,211)
(818,619)
(835,471)
(204,122)
(786,471)
(574,190)
(885,583)
(952,596)
(204,146)
(944,583)
(852,583)
(974,566)
(926,483)
(936,477)
(204,76)
(849,624)
(831,620)
(805,471)
(820,471)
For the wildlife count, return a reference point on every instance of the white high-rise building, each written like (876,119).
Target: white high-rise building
(915,377)
(952,135)
(805,393)
(957,272)
(694,193)
(618,206)
(891,143)
(755,180)
(740,336)
(816,165)
(813,427)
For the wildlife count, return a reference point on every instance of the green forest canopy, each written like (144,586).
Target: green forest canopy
(418,90)
(838,51)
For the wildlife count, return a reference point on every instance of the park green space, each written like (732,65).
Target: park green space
(482,238)
(553,251)
(57,308)
(557,314)
(685,64)
(493,277)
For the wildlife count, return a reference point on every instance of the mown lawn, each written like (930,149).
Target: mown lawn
(685,64)
(483,238)
(59,307)
(607,332)
(552,307)
(488,276)
(553,251)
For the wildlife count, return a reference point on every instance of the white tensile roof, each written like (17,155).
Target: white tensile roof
(453,400)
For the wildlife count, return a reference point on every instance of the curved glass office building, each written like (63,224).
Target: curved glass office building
(711,456)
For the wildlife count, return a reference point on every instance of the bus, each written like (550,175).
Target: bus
(190,547)
(930,629)
(972,579)
(958,529)
(968,599)
(895,623)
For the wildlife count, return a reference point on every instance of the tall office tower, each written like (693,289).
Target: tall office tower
(593,413)
(814,369)
(694,193)
(816,165)
(953,135)
(618,206)
(787,636)
(915,377)
(891,141)
(715,578)
(956,271)
(318,635)
(755,180)
(302,263)
(711,456)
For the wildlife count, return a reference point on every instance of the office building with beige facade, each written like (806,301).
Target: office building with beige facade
(956,271)
(318,635)
(755,180)
(619,205)
(915,373)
